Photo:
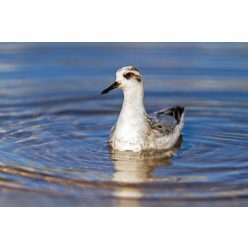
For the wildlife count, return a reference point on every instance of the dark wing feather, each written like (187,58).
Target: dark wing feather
(175,112)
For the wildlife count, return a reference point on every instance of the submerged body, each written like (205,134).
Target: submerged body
(134,129)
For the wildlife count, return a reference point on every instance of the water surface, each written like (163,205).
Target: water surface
(54,125)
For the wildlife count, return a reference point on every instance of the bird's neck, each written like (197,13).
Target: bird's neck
(133,105)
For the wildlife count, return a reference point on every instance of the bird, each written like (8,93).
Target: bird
(134,129)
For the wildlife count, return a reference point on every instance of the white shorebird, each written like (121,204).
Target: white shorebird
(134,129)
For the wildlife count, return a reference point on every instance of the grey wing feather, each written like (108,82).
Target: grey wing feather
(163,124)
(165,121)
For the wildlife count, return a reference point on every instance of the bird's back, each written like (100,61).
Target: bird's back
(166,126)
(166,120)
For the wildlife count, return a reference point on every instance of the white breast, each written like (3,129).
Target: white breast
(129,135)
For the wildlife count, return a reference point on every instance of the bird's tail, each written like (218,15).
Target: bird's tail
(176,112)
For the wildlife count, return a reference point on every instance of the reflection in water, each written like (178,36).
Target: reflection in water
(134,168)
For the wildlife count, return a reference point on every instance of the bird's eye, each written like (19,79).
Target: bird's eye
(128,75)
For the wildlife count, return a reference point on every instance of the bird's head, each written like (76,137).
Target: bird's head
(127,77)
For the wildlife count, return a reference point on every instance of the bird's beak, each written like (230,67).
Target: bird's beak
(111,87)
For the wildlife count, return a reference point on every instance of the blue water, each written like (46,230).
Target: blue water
(54,125)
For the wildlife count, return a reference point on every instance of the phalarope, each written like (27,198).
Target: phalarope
(134,129)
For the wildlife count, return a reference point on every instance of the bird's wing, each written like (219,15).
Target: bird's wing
(163,124)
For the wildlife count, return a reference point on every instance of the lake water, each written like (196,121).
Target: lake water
(54,125)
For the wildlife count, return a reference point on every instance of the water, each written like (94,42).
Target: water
(54,125)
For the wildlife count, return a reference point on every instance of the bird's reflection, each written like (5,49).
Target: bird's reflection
(132,169)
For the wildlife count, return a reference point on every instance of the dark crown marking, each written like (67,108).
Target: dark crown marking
(134,69)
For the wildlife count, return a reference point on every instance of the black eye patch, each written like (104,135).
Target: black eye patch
(129,75)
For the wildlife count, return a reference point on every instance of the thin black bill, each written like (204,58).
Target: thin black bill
(111,87)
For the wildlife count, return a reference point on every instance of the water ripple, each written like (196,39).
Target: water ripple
(54,126)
